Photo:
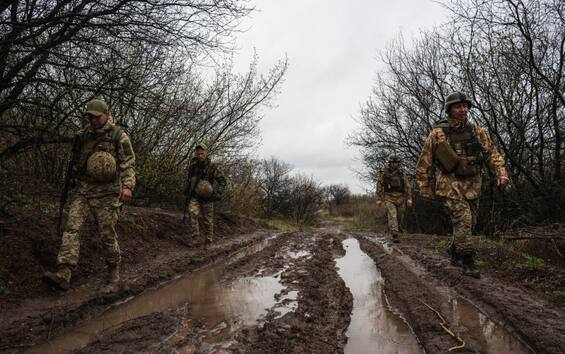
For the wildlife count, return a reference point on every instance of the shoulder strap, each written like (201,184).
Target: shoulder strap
(117,133)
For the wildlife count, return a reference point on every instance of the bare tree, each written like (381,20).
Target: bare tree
(509,55)
(274,181)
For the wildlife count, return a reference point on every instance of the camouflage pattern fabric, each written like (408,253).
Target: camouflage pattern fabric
(206,171)
(101,140)
(105,212)
(380,190)
(100,199)
(206,210)
(393,202)
(461,193)
(463,214)
(447,184)
(394,207)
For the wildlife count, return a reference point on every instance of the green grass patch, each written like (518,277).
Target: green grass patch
(532,263)
(281,224)
(442,245)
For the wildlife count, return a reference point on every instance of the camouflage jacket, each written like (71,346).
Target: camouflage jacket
(384,193)
(101,139)
(209,171)
(447,184)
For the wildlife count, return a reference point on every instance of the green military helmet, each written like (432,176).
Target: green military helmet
(456,97)
(393,158)
(101,166)
(201,146)
(204,190)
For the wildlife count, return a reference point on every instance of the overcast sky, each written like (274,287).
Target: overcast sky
(332,49)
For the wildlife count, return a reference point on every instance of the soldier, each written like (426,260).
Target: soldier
(104,178)
(206,185)
(393,187)
(459,149)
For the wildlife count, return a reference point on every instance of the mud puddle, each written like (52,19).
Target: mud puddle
(217,307)
(477,329)
(489,337)
(373,327)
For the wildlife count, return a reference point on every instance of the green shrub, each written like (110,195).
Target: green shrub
(532,263)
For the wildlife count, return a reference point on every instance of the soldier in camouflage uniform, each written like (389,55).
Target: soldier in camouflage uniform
(206,185)
(393,188)
(104,178)
(453,155)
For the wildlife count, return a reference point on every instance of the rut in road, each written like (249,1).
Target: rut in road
(314,292)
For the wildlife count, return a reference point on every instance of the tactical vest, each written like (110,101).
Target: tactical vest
(92,143)
(393,181)
(466,145)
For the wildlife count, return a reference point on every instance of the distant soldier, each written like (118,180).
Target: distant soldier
(104,178)
(459,149)
(206,184)
(393,189)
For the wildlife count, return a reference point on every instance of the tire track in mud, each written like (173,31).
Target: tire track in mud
(321,317)
(64,311)
(406,291)
(539,323)
(423,288)
(314,321)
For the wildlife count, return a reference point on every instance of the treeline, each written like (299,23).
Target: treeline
(269,188)
(161,67)
(509,56)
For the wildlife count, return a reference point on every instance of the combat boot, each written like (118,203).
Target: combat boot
(61,279)
(469,265)
(113,274)
(454,256)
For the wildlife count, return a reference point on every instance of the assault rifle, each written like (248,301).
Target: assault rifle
(69,175)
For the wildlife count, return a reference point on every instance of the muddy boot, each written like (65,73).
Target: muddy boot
(61,279)
(207,242)
(454,256)
(113,274)
(469,265)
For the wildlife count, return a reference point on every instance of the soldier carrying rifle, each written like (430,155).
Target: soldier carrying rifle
(205,185)
(103,177)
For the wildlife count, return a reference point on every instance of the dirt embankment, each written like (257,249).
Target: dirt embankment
(154,249)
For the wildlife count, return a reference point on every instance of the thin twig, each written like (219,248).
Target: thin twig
(445,327)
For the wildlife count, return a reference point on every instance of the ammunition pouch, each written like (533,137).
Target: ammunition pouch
(395,182)
(446,156)
(467,167)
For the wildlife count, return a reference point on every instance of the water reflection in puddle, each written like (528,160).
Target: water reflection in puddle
(218,306)
(491,338)
(373,328)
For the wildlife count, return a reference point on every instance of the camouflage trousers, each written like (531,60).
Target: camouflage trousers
(394,214)
(105,211)
(206,211)
(463,214)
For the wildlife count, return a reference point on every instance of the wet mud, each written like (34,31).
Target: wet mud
(321,291)
(532,318)
(374,326)
(37,320)
(423,296)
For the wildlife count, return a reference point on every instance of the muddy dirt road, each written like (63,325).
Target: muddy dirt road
(322,291)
